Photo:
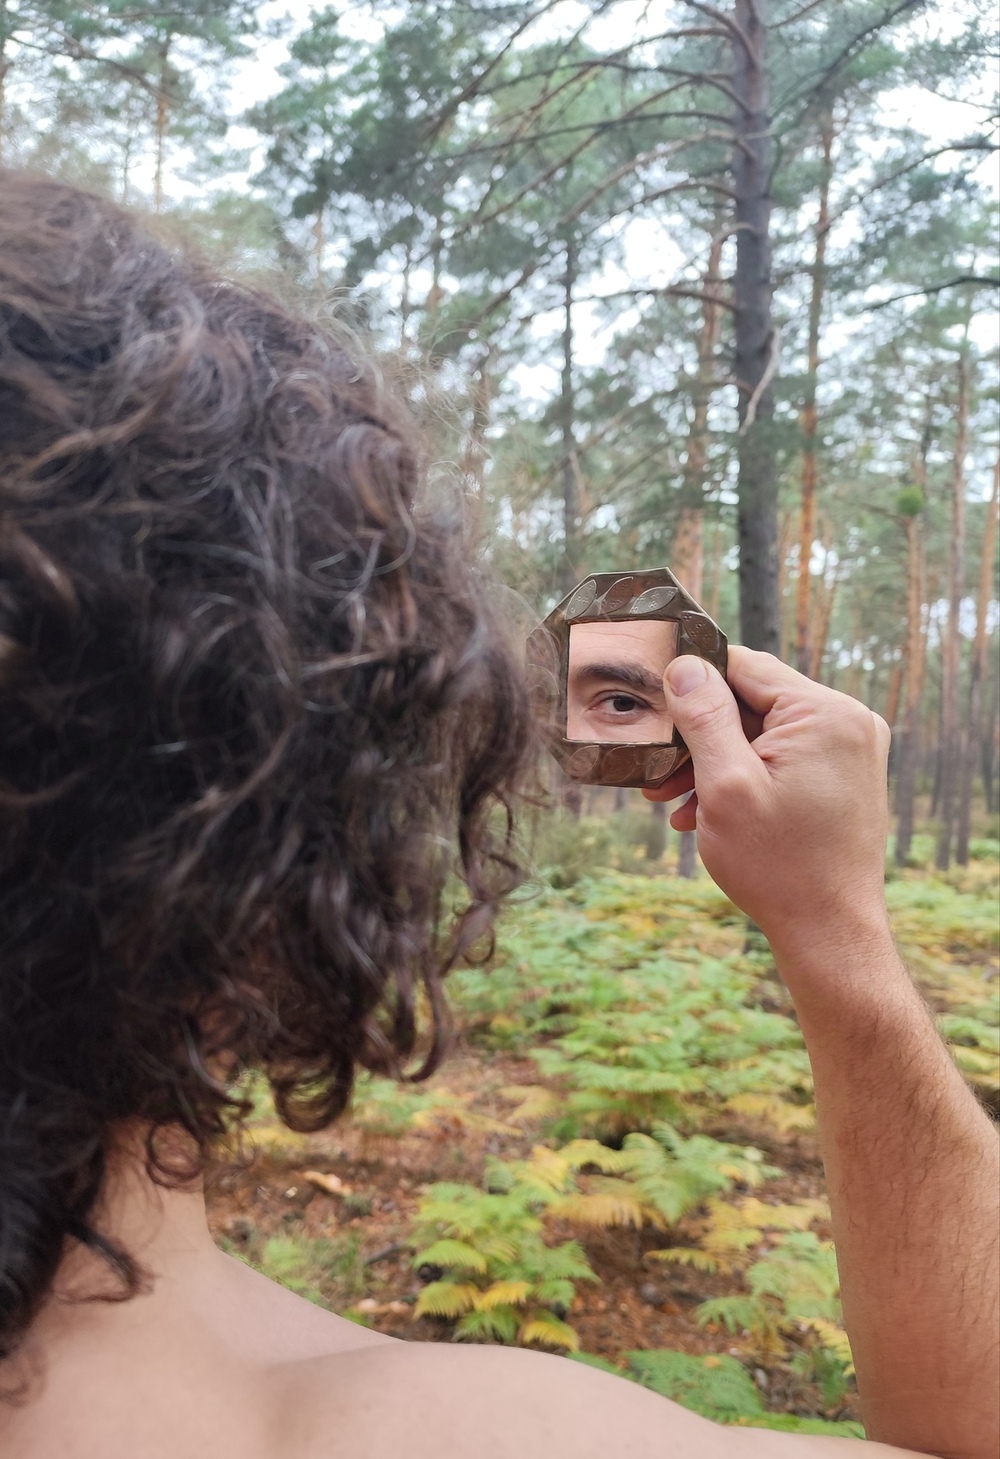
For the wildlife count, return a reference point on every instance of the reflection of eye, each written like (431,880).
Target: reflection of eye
(621,703)
(626,703)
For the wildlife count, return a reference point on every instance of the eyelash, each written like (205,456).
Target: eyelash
(636,702)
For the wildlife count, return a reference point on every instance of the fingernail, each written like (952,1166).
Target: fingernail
(687,673)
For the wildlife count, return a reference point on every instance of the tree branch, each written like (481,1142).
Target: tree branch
(727,22)
(673,291)
(977,280)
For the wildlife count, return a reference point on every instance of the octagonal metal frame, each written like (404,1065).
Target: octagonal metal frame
(616,597)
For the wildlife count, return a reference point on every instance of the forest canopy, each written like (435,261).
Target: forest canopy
(711,285)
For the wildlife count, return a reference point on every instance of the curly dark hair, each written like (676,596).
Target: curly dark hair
(255,712)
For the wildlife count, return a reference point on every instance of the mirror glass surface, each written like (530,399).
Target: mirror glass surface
(614,681)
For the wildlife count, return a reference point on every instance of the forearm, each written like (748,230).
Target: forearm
(912,1171)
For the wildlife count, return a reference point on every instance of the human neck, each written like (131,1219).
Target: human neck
(162,1228)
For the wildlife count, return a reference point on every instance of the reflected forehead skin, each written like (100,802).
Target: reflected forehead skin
(651,642)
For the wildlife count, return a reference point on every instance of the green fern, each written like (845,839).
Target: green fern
(502,1282)
(716,1386)
(793,1291)
(728,1230)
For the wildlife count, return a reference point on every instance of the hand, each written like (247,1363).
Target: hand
(790,803)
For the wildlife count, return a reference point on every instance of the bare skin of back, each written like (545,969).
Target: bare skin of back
(218,1360)
(214,1360)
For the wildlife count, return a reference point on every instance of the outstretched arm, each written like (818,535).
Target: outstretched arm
(792,826)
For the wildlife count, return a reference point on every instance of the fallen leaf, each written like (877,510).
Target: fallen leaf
(332,1184)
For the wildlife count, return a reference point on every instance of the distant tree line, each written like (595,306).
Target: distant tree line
(697,281)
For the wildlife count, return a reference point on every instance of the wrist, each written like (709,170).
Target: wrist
(841,961)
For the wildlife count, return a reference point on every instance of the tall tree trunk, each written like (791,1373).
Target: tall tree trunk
(990,743)
(688,557)
(916,648)
(4,68)
(810,474)
(755,339)
(569,570)
(973,721)
(715,556)
(162,114)
(659,831)
(894,693)
(474,453)
(786,531)
(951,733)
(567,410)
(908,756)
(319,248)
(825,614)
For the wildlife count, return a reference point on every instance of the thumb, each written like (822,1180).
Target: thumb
(705,711)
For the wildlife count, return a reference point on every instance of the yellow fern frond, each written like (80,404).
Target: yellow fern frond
(578,1153)
(976,1061)
(781,1115)
(503,1294)
(276,1140)
(797,1216)
(549,1167)
(605,1208)
(685,1256)
(549,1332)
(534,1102)
(452,1113)
(832,1337)
(446,1299)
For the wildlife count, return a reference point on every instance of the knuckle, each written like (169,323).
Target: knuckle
(730,786)
(883,732)
(702,712)
(856,725)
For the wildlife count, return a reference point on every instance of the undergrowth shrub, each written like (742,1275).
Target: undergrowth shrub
(329,1272)
(716,1386)
(499,1280)
(793,1294)
(630,1020)
(493,1273)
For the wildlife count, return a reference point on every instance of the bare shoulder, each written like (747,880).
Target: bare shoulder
(427,1399)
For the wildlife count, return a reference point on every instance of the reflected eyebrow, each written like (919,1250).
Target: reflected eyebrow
(632,675)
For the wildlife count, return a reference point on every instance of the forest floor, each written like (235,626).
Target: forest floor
(564,1040)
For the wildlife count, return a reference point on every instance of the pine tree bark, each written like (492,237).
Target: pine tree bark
(688,556)
(569,570)
(162,113)
(4,68)
(916,647)
(567,410)
(715,556)
(474,452)
(809,420)
(755,339)
(991,742)
(824,616)
(951,732)
(974,717)
(659,831)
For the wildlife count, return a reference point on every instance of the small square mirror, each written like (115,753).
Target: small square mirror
(596,667)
